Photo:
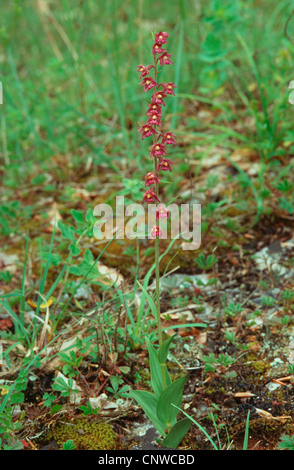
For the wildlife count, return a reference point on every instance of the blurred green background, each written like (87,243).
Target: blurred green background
(72,97)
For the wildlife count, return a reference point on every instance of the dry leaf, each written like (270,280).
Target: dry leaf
(243,394)
(110,275)
(202,338)
(286,379)
(233,259)
(267,415)
(9,262)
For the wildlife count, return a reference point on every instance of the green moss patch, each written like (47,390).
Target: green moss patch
(85,435)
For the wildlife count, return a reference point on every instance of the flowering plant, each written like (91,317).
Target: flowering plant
(158,406)
(160,141)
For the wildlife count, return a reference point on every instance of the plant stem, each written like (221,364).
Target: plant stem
(157,290)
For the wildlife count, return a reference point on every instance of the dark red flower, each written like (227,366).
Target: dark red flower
(154,120)
(150,196)
(154,112)
(165,165)
(161,212)
(164,59)
(157,49)
(157,150)
(151,178)
(146,131)
(157,98)
(168,138)
(154,108)
(156,232)
(144,70)
(148,83)
(161,38)
(168,88)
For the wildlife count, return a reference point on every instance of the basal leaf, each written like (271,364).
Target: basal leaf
(155,370)
(171,395)
(163,350)
(148,402)
(177,433)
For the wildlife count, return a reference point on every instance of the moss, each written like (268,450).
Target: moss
(211,391)
(288,429)
(262,427)
(85,435)
(255,366)
(261,366)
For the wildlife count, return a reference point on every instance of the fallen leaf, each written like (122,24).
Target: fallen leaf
(267,415)
(183,332)
(9,262)
(277,381)
(233,259)
(286,379)
(110,275)
(202,338)
(249,236)
(243,394)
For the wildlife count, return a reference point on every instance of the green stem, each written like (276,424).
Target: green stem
(157,290)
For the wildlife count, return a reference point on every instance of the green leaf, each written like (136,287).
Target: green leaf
(68,445)
(17,397)
(148,402)
(55,409)
(88,257)
(286,443)
(171,395)
(87,410)
(177,433)
(75,250)
(163,350)
(168,379)
(90,218)
(67,232)
(155,369)
(77,215)
(246,434)
(48,399)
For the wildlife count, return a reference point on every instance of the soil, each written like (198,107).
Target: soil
(256,379)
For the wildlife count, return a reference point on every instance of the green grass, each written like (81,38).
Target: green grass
(70,84)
